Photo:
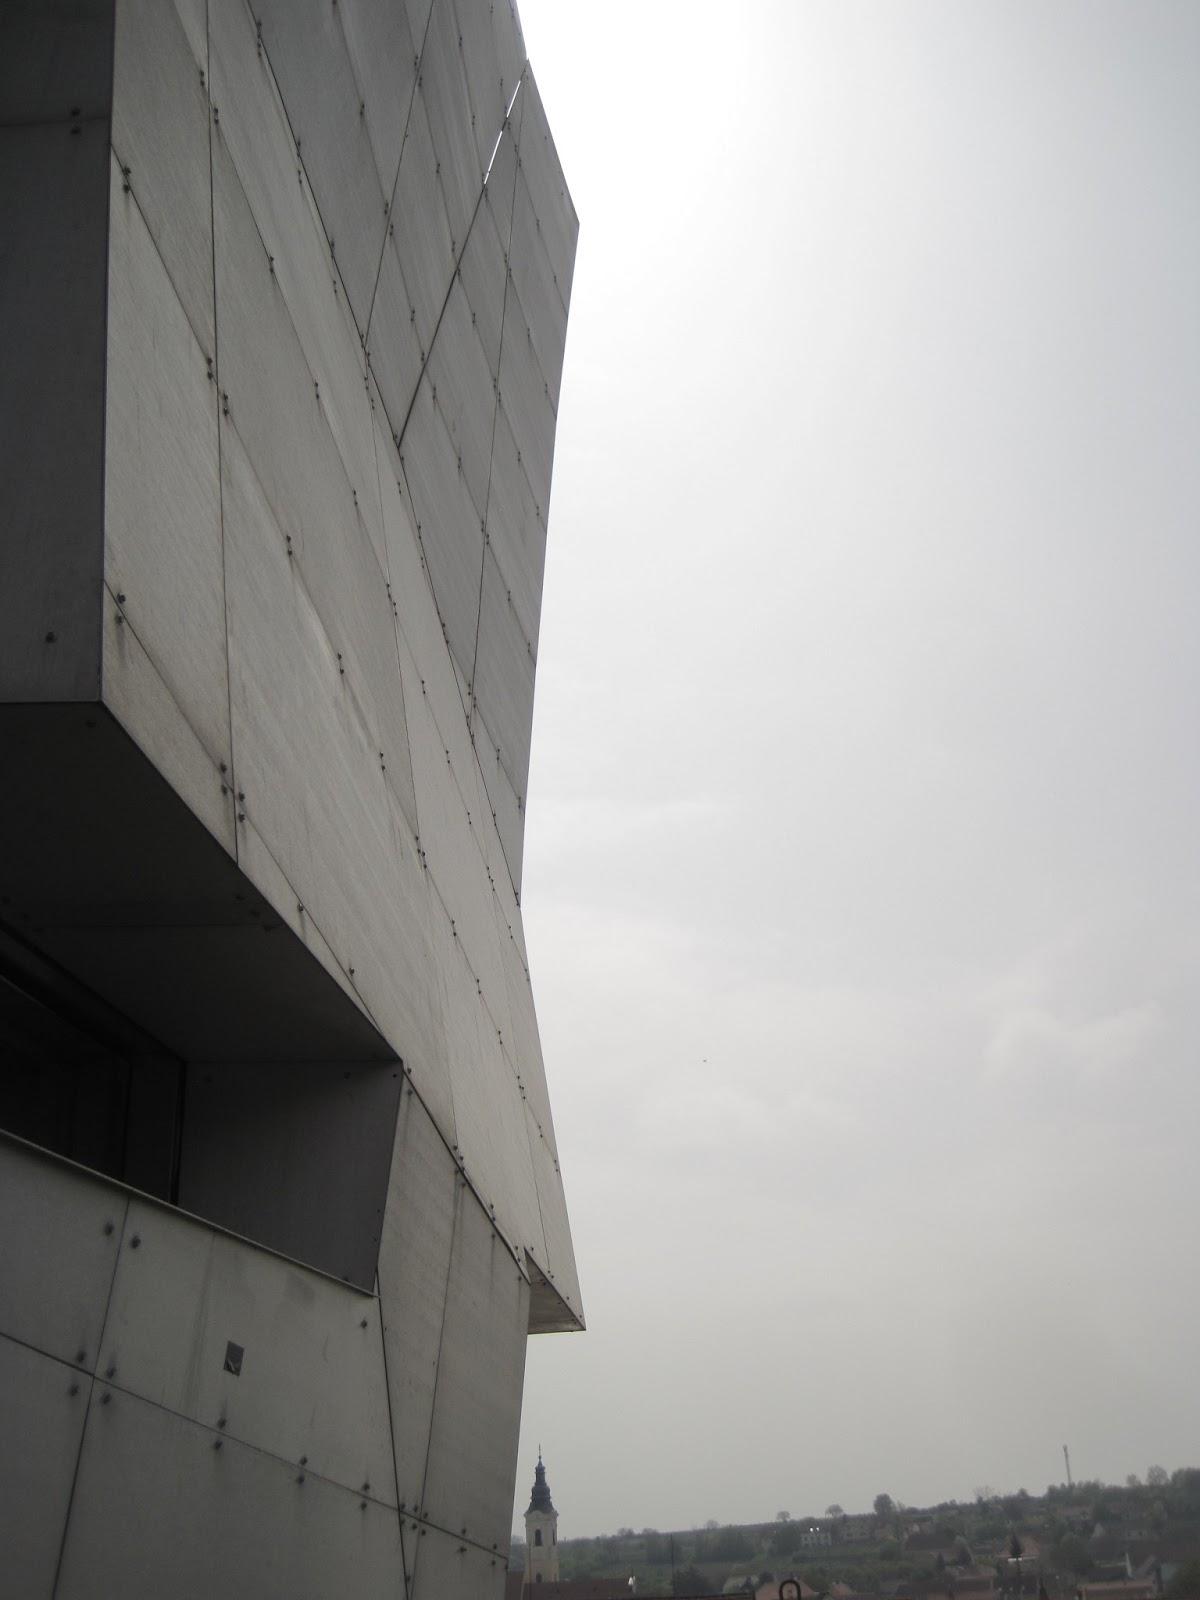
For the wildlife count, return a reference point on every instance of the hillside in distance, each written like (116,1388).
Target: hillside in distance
(1142,1536)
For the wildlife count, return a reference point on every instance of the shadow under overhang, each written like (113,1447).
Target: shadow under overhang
(548,1311)
(108,873)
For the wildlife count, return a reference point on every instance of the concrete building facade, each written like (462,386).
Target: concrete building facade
(284,291)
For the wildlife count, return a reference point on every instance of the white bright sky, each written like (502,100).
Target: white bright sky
(861,876)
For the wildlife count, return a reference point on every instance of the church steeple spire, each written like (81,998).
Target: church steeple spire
(540,1499)
(541,1531)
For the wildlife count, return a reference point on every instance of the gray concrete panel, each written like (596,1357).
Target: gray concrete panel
(487,761)
(350,594)
(383,55)
(442,89)
(448,523)
(482,274)
(462,389)
(395,354)
(459,859)
(533,276)
(419,233)
(54,186)
(296,1157)
(268,389)
(509,925)
(55,60)
(525,398)
(58,1251)
(509,44)
(487,1099)
(162,480)
(506,806)
(313,784)
(548,1311)
(427,668)
(484,72)
(552,202)
(477,1409)
(277,410)
(494,54)
(516,530)
(160,138)
(481,942)
(325,106)
(481,66)
(504,668)
(193,15)
(283,901)
(559,1263)
(159,1510)
(425,1057)
(44,1405)
(417,627)
(414,1262)
(438,696)
(417,12)
(142,702)
(446,835)
(524,1044)
(310,1381)
(500,188)
(449,1568)
(452,849)
(275,398)
(254,129)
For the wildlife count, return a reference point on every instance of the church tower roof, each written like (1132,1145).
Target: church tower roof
(540,1499)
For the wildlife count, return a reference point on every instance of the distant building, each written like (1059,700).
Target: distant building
(858,1527)
(1122,1589)
(569,1588)
(540,1577)
(541,1531)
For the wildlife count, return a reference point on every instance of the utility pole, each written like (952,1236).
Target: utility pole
(1067,1459)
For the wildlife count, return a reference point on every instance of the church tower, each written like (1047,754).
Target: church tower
(541,1532)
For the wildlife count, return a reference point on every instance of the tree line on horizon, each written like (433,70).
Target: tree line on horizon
(1161,1498)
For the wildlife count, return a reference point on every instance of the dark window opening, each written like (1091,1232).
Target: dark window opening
(93,1092)
(537,1536)
(293,1155)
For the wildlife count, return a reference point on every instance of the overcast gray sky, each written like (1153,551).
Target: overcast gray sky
(861,873)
